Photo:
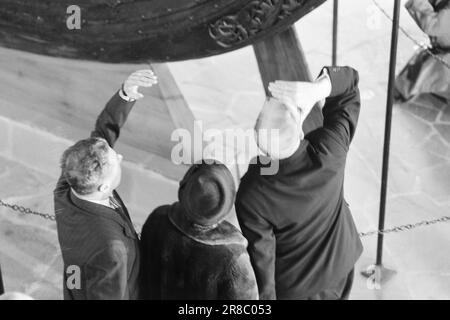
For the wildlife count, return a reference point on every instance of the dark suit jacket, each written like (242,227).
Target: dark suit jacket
(98,240)
(301,234)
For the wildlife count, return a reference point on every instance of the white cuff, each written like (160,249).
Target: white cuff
(125,97)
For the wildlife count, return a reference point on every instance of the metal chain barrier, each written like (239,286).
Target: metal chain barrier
(406,227)
(24,210)
(418,43)
(400,228)
(46,216)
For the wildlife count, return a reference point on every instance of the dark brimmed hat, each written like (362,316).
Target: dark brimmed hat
(207,193)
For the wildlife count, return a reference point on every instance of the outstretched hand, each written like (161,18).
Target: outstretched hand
(295,94)
(142,78)
(301,95)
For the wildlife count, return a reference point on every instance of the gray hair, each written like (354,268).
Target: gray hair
(83,164)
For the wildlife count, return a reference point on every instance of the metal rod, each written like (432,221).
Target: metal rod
(387,131)
(335,32)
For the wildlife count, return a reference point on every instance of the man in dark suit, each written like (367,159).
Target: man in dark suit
(303,243)
(100,248)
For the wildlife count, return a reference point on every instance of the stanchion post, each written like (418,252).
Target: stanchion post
(380,273)
(335,32)
(387,130)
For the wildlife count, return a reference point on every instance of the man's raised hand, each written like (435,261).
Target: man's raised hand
(302,95)
(295,94)
(142,78)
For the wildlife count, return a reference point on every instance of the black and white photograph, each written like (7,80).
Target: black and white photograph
(240,151)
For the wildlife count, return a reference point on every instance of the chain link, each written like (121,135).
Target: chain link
(400,228)
(418,43)
(406,227)
(24,210)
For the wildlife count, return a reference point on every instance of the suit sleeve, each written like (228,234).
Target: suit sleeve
(341,112)
(106,274)
(259,233)
(434,24)
(111,119)
(239,282)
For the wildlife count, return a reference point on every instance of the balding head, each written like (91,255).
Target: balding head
(278,132)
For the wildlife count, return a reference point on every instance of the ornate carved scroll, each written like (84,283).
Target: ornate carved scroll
(255,17)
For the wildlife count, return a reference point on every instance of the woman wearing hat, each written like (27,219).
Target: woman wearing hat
(189,250)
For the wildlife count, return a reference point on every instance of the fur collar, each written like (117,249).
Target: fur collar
(223,233)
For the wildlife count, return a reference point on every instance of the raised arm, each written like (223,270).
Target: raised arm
(116,111)
(339,87)
(341,109)
(434,24)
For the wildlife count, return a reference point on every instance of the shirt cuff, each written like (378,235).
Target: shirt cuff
(125,97)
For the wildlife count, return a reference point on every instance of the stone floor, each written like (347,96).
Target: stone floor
(29,251)
(225,92)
